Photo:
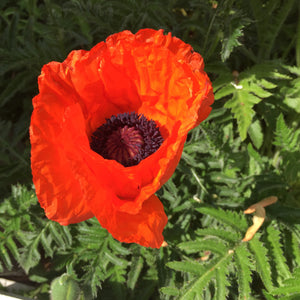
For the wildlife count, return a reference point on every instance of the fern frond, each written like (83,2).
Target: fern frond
(216,247)
(262,263)
(90,234)
(295,248)
(192,267)
(231,42)
(278,256)
(228,236)
(31,256)
(221,283)
(195,287)
(245,95)
(243,271)
(4,255)
(285,137)
(289,286)
(230,218)
(136,266)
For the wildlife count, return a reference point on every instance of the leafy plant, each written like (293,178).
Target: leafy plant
(247,149)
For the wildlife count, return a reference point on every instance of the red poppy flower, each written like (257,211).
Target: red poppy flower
(108,129)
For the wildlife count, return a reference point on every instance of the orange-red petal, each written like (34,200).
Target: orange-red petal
(144,228)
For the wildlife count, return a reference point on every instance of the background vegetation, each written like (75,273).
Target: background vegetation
(247,150)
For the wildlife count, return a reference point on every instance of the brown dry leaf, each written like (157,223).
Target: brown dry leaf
(258,220)
(265,202)
(164,244)
(259,216)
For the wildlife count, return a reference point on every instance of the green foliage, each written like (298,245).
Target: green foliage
(231,262)
(246,150)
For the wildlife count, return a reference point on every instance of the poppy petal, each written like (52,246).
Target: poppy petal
(52,158)
(144,228)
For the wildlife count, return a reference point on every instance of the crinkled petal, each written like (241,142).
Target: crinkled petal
(53,143)
(144,228)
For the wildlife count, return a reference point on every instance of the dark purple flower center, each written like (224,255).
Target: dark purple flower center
(127,138)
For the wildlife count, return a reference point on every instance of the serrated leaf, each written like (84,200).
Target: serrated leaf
(262,262)
(193,267)
(295,248)
(4,255)
(256,134)
(137,264)
(170,291)
(116,260)
(228,236)
(30,256)
(56,234)
(221,284)
(286,138)
(278,256)
(195,287)
(224,91)
(243,271)
(290,286)
(241,106)
(11,245)
(117,247)
(227,217)
(231,42)
(46,243)
(67,235)
(216,247)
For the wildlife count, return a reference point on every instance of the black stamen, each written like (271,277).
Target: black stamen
(127,138)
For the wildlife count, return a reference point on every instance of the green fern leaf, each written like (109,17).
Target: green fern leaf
(54,229)
(290,286)
(90,235)
(170,291)
(256,134)
(262,264)
(291,95)
(284,136)
(11,245)
(192,267)
(229,236)
(231,42)
(117,247)
(278,256)
(249,89)
(4,255)
(136,266)
(221,284)
(67,236)
(216,247)
(116,260)
(194,289)
(232,219)
(295,248)
(30,256)
(46,244)
(243,271)
(241,105)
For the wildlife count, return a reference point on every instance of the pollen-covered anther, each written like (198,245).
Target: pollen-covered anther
(124,144)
